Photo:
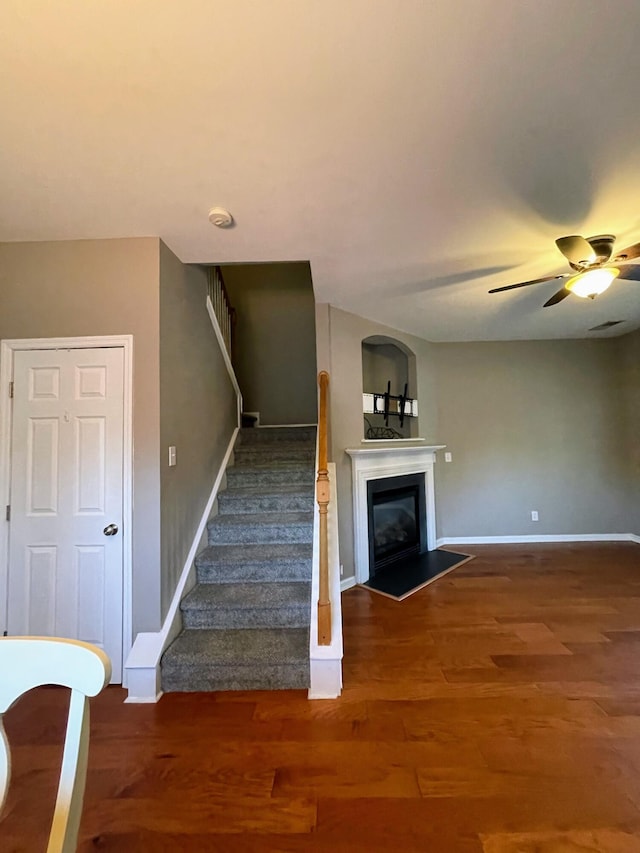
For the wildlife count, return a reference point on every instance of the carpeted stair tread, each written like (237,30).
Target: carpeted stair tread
(292,450)
(268,446)
(268,475)
(261,527)
(266,518)
(253,645)
(250,456)
(253,605)
(287,497)
(276,435)
(263,463)
(247,553)
(211,678)
(247,659)
(247,596)
(241,491)
(290,561)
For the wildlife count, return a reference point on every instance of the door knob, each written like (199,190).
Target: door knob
(110,530)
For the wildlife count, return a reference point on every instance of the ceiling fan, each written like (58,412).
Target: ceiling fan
(592,261)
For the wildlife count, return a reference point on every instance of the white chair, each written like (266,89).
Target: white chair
(28,662)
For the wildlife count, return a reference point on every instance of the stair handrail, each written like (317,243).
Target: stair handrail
(224,311)
(322,498)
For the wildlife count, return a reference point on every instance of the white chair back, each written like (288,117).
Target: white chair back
(28,662)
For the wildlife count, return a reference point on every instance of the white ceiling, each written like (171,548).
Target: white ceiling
(417,152)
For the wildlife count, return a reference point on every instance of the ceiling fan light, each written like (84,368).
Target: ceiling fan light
(593,282)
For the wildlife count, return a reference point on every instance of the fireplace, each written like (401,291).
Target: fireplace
(391,460)
(397,519)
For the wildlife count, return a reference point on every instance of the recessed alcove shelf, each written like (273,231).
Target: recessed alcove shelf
(389,386)
(388,460)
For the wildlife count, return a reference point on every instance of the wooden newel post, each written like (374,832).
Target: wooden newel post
(322,496)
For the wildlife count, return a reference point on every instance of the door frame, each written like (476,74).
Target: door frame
(7,350)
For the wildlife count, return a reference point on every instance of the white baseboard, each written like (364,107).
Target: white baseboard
(152,700)
(552,537)
(142,666)
(347,583)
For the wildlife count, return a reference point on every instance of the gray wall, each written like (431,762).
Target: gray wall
(274,353)
(628,359)
(544,425)
(532,426)
(339,351)
(197,411)
(102,287)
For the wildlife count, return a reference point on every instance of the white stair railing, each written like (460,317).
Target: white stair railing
(325,641)
(225,314)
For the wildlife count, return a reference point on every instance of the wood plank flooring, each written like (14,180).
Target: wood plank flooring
(496,710)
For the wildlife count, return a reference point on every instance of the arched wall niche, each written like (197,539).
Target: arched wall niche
(385,360)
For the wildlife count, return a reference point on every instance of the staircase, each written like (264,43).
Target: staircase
(246,622)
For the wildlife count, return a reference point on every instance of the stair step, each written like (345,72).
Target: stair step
(273,454)
(261,527)
(246,622)
(247,605)
(249,659)
(254,563)
(255,499)
(268,475)
(274,435)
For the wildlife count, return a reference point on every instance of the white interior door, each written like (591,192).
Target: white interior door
(65,572)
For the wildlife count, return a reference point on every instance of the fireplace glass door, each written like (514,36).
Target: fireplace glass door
(396,520)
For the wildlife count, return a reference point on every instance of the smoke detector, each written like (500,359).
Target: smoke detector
(220,217)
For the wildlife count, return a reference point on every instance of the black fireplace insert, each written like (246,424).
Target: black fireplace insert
(397,519)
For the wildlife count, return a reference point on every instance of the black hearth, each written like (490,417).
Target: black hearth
(397,519)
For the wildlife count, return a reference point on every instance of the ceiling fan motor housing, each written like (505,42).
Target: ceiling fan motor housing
(602,245)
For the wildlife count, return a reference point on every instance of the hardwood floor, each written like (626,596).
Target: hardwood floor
(496,710)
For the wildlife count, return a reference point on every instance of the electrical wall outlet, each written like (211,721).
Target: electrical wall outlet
(534,515)
(447,457)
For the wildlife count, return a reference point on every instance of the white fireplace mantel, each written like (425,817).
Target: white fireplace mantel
(374,463)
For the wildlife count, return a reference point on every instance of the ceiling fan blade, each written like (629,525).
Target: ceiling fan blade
(630,272)
(576,249)
(628,254)
(527,283)
(557,297)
